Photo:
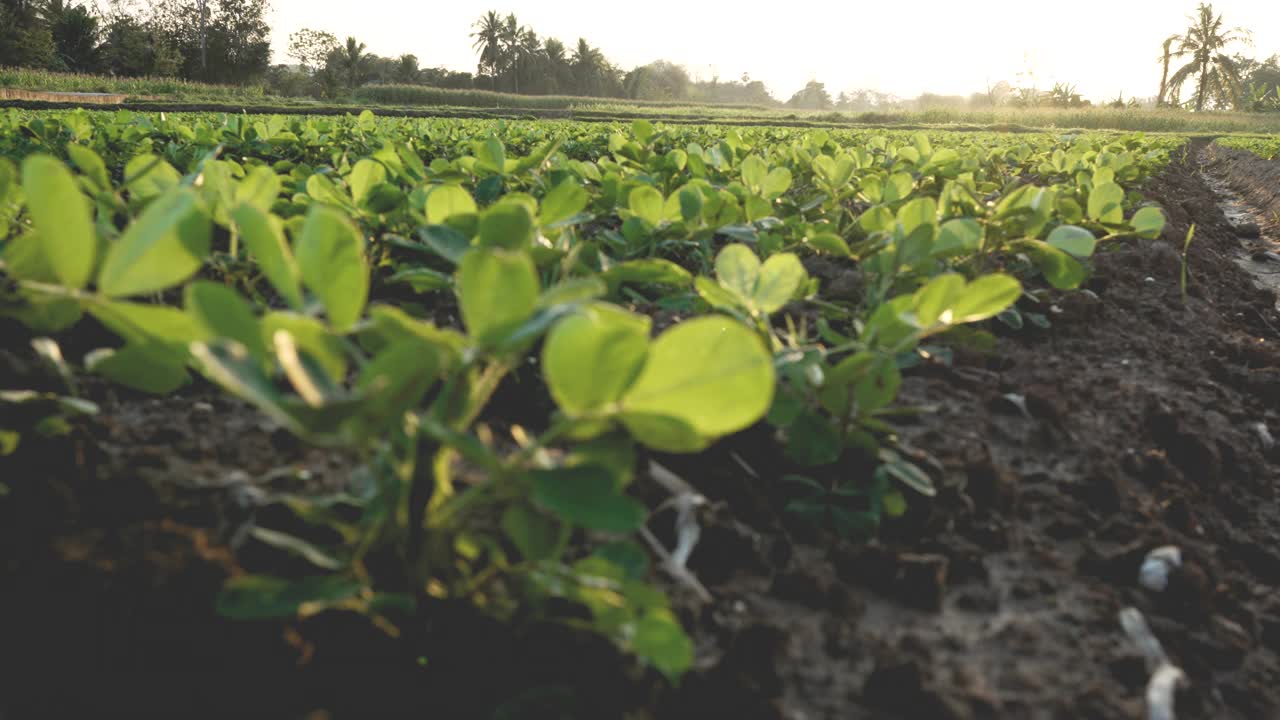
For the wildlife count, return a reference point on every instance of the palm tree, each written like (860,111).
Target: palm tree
(407,68)
(1165,56)
(1217,74)
(559,69)
(510,36)
(532,60)
(353,60)
(587,63)
(488,43)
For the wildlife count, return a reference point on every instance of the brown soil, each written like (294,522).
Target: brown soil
(997,600)
(1257,180)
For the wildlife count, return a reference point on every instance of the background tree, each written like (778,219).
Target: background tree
(1217,76)
(25,41)
(559,70)
(237,45)
(239,41)
(311,48)
(488,35)
(75,36)
(1165,56)
(352,59)
(660,80)
(131,47)
(407,69)
(813,96)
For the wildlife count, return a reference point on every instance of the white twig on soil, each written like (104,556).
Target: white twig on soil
(1166,677)
(686,502)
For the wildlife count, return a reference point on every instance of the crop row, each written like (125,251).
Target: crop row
(1267,148)
(371,283)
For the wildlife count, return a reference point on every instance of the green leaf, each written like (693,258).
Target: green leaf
(1074,240)
(264,237)
(876,219)
(780,278)
(642,129)
(738,270)
(829,242)
(646,203)
(1060,269)
(1148,222)
(936,298)
(507,225)
(718,296)
(690,204)
(331,257)
(649,270)
(709,373)
(147,176)
(398,377)
(323,190)
(627,556)
(754,173)
(865,381)
(422,279)
(63,219)
(587,496)
(777,182)
(661,642)
(574,291)
(162,247)
(256,597)
(229,365)
(958,236)
(445,201)
(149,368)
(812,440)
(911,475)
(535,535)
(497,292)
(223,313)
(921,211)
(1106,204)
(445,241)
(835,172)
(592,356)
(310,336)
(260,189)
(491,156)
(984,298)
(90,163)
(563,202)
(364,176)
(145,324)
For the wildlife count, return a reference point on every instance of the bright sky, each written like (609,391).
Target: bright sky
(1104,47)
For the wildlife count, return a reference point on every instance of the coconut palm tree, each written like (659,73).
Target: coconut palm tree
(511,33)
(1165,57)
(559,70)
(587,65)
(1217,74)
(353,59)
(488,43)
(407,69)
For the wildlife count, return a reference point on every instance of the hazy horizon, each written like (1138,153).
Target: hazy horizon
(1103,48)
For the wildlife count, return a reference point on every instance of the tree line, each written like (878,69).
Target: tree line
(217,41)
(228,41)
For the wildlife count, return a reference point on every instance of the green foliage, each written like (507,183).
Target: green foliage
(327,250)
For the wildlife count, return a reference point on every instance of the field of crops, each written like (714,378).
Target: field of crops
(549,364)
(1267,147)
